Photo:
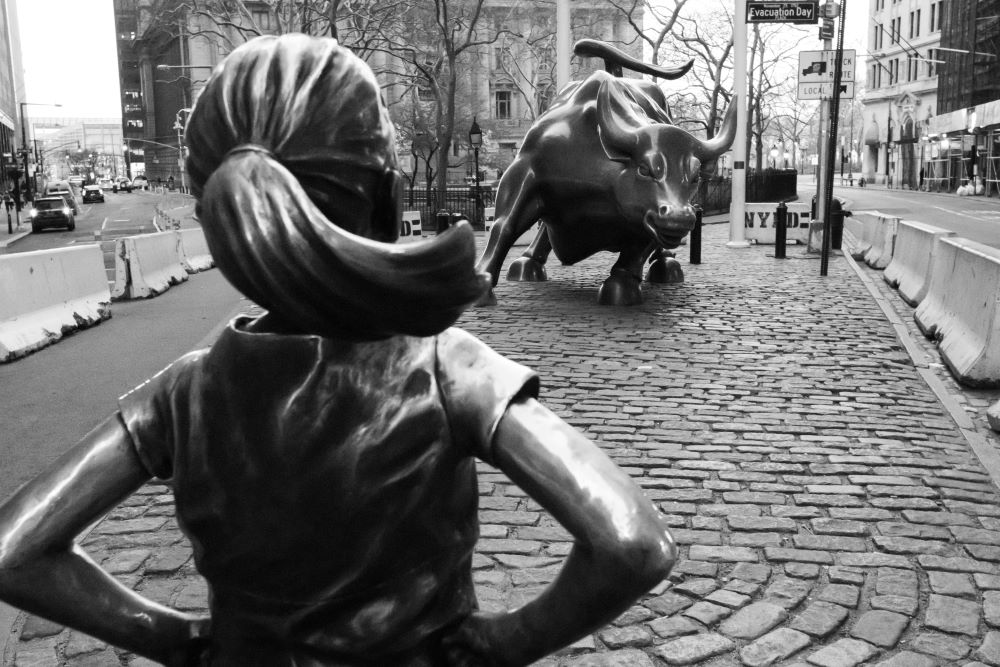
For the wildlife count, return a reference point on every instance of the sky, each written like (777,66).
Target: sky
(69,57)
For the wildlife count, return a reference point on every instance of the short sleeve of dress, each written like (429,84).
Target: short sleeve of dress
(149,415)
(477,386)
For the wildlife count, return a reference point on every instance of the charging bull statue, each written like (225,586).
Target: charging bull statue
(604,168)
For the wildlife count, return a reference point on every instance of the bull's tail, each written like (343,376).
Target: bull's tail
(615,60)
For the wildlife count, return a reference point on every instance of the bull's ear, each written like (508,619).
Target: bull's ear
(619,119)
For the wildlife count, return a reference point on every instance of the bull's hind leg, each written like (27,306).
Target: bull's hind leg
(664,267)
(530,266)
(621,288)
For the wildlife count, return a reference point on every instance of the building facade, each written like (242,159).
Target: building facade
(902,71)
(166,54)
(87,147)
(965,135)
(11,88)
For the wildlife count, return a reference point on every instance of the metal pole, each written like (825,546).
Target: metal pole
(475,215)
(834,113)
(780,230)
(737,209)
(823,154)
(694,245)
(562,43)
(24,147)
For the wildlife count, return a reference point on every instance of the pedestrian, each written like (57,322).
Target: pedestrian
(322,455)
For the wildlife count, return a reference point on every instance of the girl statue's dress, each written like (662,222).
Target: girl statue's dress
(322,456)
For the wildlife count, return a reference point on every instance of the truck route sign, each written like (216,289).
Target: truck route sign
(782,12)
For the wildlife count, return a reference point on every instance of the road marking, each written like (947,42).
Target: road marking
(104,224)
(953,212)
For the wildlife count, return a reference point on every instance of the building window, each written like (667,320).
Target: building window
(916,28)
(264,20)
(503,104)
(932,55)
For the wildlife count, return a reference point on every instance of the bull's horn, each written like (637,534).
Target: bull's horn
(615,60)
(616,120)
(722,141)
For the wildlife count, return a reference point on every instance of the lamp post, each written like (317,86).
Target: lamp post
(476,140)
(24,145)
(774,156)
(179,126)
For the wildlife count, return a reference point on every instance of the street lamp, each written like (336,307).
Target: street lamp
(24,145)
(179,126)
(476,140)
(774,156)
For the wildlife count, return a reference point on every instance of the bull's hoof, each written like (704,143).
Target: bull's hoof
(665,270)
(486,300)
(528,270)
(621,288)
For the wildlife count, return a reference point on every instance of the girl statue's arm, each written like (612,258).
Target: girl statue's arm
(621,550)
(43,570)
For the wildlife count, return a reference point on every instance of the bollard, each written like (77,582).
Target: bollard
(780,230)
(695,243)
(443,219)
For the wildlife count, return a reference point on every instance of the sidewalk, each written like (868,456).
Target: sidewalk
(817,469)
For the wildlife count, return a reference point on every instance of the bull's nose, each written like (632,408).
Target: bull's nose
(668,213)
(666,210)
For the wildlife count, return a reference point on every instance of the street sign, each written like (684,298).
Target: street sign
(818,66)
(782,12)
(824,91)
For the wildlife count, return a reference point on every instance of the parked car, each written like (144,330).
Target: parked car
(140,182)
(105,183)
(51,212)
(92,193)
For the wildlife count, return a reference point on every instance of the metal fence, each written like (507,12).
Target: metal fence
(764,186)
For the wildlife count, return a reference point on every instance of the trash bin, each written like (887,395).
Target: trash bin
(837,215)
(442,221)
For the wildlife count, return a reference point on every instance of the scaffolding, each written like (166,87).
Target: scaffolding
(992,162)
(937,176)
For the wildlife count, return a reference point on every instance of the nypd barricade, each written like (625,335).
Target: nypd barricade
(760,219)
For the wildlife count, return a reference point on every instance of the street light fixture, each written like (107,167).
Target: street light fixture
(179,126)
(24,145)
(476,140)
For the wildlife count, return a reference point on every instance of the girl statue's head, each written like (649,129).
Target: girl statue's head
(292,161)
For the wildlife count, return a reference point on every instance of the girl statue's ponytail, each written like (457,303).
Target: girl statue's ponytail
(291,158)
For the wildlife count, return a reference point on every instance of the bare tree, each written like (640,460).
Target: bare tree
(663,16)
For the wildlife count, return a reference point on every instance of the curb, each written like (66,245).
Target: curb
(980,445)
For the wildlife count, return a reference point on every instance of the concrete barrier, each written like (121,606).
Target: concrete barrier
(411,227)
(759,220)
(863,226)
(192,249)
(146,265)
(961,309)
(48,293)
(883,240)
(912,257)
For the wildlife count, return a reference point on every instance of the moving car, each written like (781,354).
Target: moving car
(122,185)
(51,212)
(63,189)
(92,193)
(105,183)
(140,182)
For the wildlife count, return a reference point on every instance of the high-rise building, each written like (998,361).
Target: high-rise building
(11,87)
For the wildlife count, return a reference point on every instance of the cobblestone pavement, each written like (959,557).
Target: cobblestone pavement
(830,510)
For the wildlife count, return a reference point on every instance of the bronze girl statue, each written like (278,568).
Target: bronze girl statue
(322,456)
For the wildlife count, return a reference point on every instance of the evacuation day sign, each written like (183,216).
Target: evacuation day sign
(783,12)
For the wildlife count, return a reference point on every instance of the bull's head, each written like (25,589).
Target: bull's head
(662,163)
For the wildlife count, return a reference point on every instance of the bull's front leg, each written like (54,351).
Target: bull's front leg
(517,209)
(530,266)
(621,288)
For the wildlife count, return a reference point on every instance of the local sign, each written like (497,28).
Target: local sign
(782,12)
(824,91)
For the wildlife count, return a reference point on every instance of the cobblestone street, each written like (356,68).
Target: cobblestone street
(829,510)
